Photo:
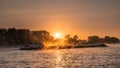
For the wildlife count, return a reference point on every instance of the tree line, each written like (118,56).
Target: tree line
(23,36)
(91,40)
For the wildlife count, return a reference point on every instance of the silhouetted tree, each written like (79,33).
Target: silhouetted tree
(83,41)
(75,39)
(71,40)
(108,39)
(101,40)
(22,36)
(2,34)
(67,36)
(93,39)
(42,36)
(11,35)
(67,39)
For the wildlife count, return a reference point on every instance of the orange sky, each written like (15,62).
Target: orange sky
(81,17)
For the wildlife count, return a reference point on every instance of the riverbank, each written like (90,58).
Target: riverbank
(76,46)
(59,47)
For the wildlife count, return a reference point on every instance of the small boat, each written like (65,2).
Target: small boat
(34,46)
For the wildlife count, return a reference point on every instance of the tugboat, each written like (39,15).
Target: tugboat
(33,46)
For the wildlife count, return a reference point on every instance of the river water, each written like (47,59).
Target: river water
(98,57)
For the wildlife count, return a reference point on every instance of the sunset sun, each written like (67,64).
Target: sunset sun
(57,35)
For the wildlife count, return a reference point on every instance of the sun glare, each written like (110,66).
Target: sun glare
(57,35)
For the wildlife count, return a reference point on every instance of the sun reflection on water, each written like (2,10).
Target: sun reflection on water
(58,59)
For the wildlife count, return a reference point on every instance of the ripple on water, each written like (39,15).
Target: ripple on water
(107,57)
